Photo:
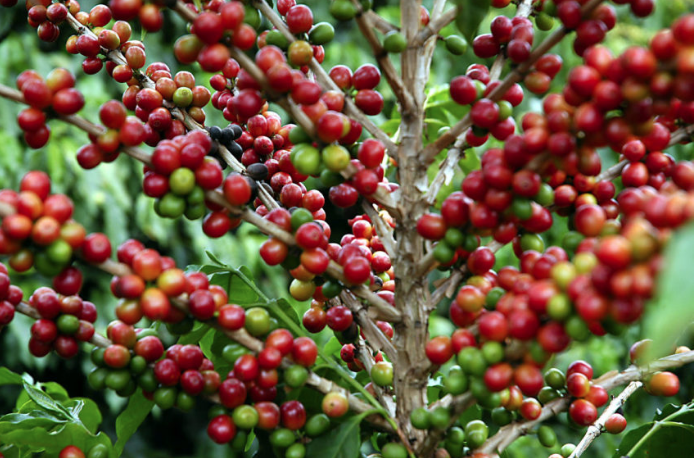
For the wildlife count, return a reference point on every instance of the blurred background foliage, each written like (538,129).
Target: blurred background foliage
(109,199)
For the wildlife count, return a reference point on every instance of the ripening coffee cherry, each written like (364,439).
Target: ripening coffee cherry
(615,424)
(582,412)
(334,404)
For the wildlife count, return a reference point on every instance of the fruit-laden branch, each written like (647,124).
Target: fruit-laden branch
(118,58)
(454,154)
(434,26)
(323,78)
(514,76)
(242,337)
(682,134)
(380,309)
(404,98)
(382,196)
(24,308)
(595,429)
(377,339)
(384,232)
(446,288)
(524,10)
(383,396)
(458,405)
(507,434)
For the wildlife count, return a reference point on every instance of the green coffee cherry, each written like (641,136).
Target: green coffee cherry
(456,45)
(321,33)
(394,42)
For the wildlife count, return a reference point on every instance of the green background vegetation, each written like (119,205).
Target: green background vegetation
(109,199)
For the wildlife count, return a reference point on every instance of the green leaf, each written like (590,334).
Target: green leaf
(666,436)
(36,435)
(239,292)
(472,413)
(333,347)
(87,411)
(342,442)
(281,305)
(47,403)
(470,16)
(130,419)
(683,413)
(55,390)
(195,335)
(214,258)
(671,313)
(470,161)
(7,377)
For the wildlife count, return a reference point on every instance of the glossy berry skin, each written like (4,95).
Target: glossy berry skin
(334,404)
(615,424)
(293,415)
(664,384)
(582,412)
(71,451)
(439,350)
(221,429)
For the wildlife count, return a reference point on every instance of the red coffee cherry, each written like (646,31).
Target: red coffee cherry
(221,429)
(582,412)
(439,350)
(615,424)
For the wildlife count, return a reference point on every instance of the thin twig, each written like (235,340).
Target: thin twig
(384,231)
(446,171)
(507,434)
(379,22)
(404,98)
(595,429)
(434,26)
(378,340)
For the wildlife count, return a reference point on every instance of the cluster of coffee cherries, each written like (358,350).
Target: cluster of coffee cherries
(156,282)
(311,37)
(255,378)
(364,245)
(41,233)
(179,175)
(10,297)
(219,22)
(177,91)
(361,84)
(45,17)
(65,322)
(121,131)
(55,95)
(517,34)
(487,116)
(149,14)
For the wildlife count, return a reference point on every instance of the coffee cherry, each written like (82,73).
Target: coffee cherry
(221,429)
(615,424)
(664,384)
(334,404)
(582,412)
(382,373)
(439,350)
(71,451)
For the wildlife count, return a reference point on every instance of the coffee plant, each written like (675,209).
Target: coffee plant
(454,240)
